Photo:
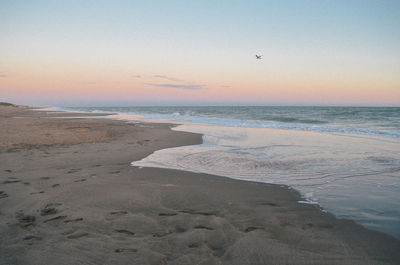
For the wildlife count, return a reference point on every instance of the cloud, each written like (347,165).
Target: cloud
(173,79)
(136,76)
(176,83)
(3,73)
(179,86)
(224,86)
(89,83)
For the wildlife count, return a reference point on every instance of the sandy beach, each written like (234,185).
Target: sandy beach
(68,195)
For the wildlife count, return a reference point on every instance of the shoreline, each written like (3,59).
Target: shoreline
(314,176)
(105,211)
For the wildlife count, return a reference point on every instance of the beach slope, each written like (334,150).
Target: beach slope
(68,195)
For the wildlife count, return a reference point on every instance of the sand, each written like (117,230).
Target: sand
(68,195)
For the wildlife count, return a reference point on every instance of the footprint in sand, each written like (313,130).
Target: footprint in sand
(60,217)
(270,204)
(79,180)
(45,177)
(68,232)
(73,170)
(39,192)
(124,231)
(55,185)
(143,142)
(180,229)
(77,235)
(118,212)
(10,181)
(120,250)
(252,228)
(8,170)
(194,245)
(162,234)
(25,221)
(32,237)
(3,194)
(167,214)
(73,220)
(195,212)
(203,227)
(48,211)
(218,251)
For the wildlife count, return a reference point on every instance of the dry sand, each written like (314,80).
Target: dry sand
(68,195)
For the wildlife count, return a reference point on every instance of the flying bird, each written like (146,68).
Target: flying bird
(258,57)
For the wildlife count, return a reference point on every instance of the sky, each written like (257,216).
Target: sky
(109,53)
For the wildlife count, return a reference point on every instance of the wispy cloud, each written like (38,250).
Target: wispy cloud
(175,83)
(3,73)
(136,76)
(89,83)
(179,86)
(224,86)
(169,78)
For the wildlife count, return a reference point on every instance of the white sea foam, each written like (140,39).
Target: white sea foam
(308,202)
(336,120)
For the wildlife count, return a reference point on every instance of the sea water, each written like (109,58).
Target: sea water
(346,159)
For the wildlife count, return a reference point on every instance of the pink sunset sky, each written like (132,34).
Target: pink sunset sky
(133,53)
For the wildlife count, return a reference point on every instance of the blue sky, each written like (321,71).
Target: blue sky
(341,45)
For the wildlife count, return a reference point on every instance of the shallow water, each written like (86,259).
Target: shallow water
(351,176)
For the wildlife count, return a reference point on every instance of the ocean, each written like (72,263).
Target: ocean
(346,159)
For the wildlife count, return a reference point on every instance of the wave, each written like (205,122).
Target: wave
(294,120)
(337,120)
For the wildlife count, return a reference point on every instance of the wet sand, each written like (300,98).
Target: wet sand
(68,195)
